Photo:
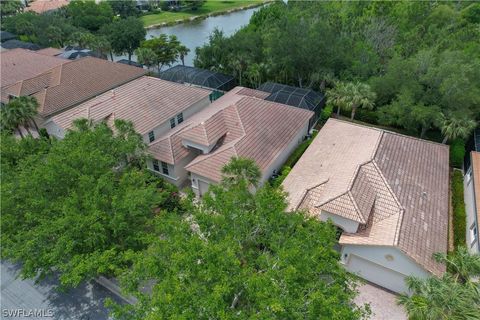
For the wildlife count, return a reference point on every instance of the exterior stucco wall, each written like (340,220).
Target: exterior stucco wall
(469,196)
(196,181)
(280,159)
(387,264)
(53,129)
(347,225)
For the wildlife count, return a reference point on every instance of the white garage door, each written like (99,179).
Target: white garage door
(377,274)
(202,187)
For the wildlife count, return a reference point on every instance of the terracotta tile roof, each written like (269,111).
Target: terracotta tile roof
(49,52)
(395,186)
(146,101)
(268,129)
(246,126)
(79,80)
(254,93)
(41,6)
(476,179)
(22,64)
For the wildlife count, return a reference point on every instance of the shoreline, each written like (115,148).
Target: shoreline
(205,16)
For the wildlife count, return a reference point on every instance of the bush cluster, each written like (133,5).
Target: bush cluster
(459,214)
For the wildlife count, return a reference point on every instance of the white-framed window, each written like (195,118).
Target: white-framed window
(473,234)
(156,165)
(151,136)
(180,117)
(165,168)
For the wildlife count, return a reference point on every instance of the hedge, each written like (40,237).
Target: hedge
(457,153)
(295,156)
(458,206)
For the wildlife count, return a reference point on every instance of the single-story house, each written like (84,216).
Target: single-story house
(151,104)
(387,192)
(43,6)
(70,83)
(238,124)
(472,202)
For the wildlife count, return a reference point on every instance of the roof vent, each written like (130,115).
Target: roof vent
(113,93)
(424,194)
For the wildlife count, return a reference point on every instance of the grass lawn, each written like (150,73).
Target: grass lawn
(210,6)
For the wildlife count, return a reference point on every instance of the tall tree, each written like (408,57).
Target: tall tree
(453,296)
(10,8)
(125,35)
(239,255)
(456,126)
(147,57)
(166,49)
(182,52)
(352,95)
(90,15)
(17,112)
(81,207)
(124,8)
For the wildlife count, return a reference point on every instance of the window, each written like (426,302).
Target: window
(151,136)
(180,118)
(165,168)
(473,233)
(172,123)
(156,167)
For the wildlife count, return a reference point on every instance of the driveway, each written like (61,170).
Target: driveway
(25,298)
(383,303)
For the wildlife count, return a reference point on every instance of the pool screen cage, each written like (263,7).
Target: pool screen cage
(296,97)
(199,77)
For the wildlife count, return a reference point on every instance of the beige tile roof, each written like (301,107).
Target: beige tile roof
(395,186)
(476,180)
(49,51)
(41,6)
(244,125)
(146,101)
(77,81)
(254,93)
(22,64)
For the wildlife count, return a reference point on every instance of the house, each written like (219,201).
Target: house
(472,202)
(21,64)
(151,104)
(53,52)
(387,192)
(238,124)
(70,83)
(44,6)
(296,97)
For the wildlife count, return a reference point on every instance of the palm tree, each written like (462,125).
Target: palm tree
(182,52)
(241,169)
(456,127)
(17,112)
(147,57)
(352,95)
(453,296)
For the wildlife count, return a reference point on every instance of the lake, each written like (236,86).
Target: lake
(195,33)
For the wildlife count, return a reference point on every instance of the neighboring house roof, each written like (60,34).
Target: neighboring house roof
(21,64)
(74,82)
(50,52)
(5,35)
(41,6)
(200,77)
(240,125)
(17,44)
(146,101)
(395,186)
(476,180)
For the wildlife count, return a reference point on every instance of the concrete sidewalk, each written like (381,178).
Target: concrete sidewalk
(383,303)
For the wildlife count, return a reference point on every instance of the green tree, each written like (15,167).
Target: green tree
(455,126)
(125,35)
(124,8)
(352,95)
(453,296)
(239,255)
(81,207)
(166,49)
(89,15)
(17,112)
(147,57)
(182,52)
(10,8)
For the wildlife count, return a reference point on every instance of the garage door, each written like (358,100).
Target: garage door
(202,187)
(377,274)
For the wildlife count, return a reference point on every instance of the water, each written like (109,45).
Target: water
(194,34)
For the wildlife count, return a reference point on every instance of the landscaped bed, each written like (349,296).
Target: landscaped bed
(458,207)
(209,8)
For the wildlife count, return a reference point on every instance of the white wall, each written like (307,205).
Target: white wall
(347,225)
(469,197)
(385,265)
(196,180)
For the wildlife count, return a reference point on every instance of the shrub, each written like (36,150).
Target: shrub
(458,206)
(457,153)
(326,113)
(276,182)
(299,151)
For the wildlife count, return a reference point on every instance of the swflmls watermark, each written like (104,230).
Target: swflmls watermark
(27,313)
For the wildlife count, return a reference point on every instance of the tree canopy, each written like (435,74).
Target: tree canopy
(79,206)
(237,254)
(125,35)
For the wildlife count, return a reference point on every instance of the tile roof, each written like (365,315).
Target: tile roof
(22,64)
(146,101)
(476,179)
(395,186)
(41,6)
(74,82)
(49,51)
(245,126)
